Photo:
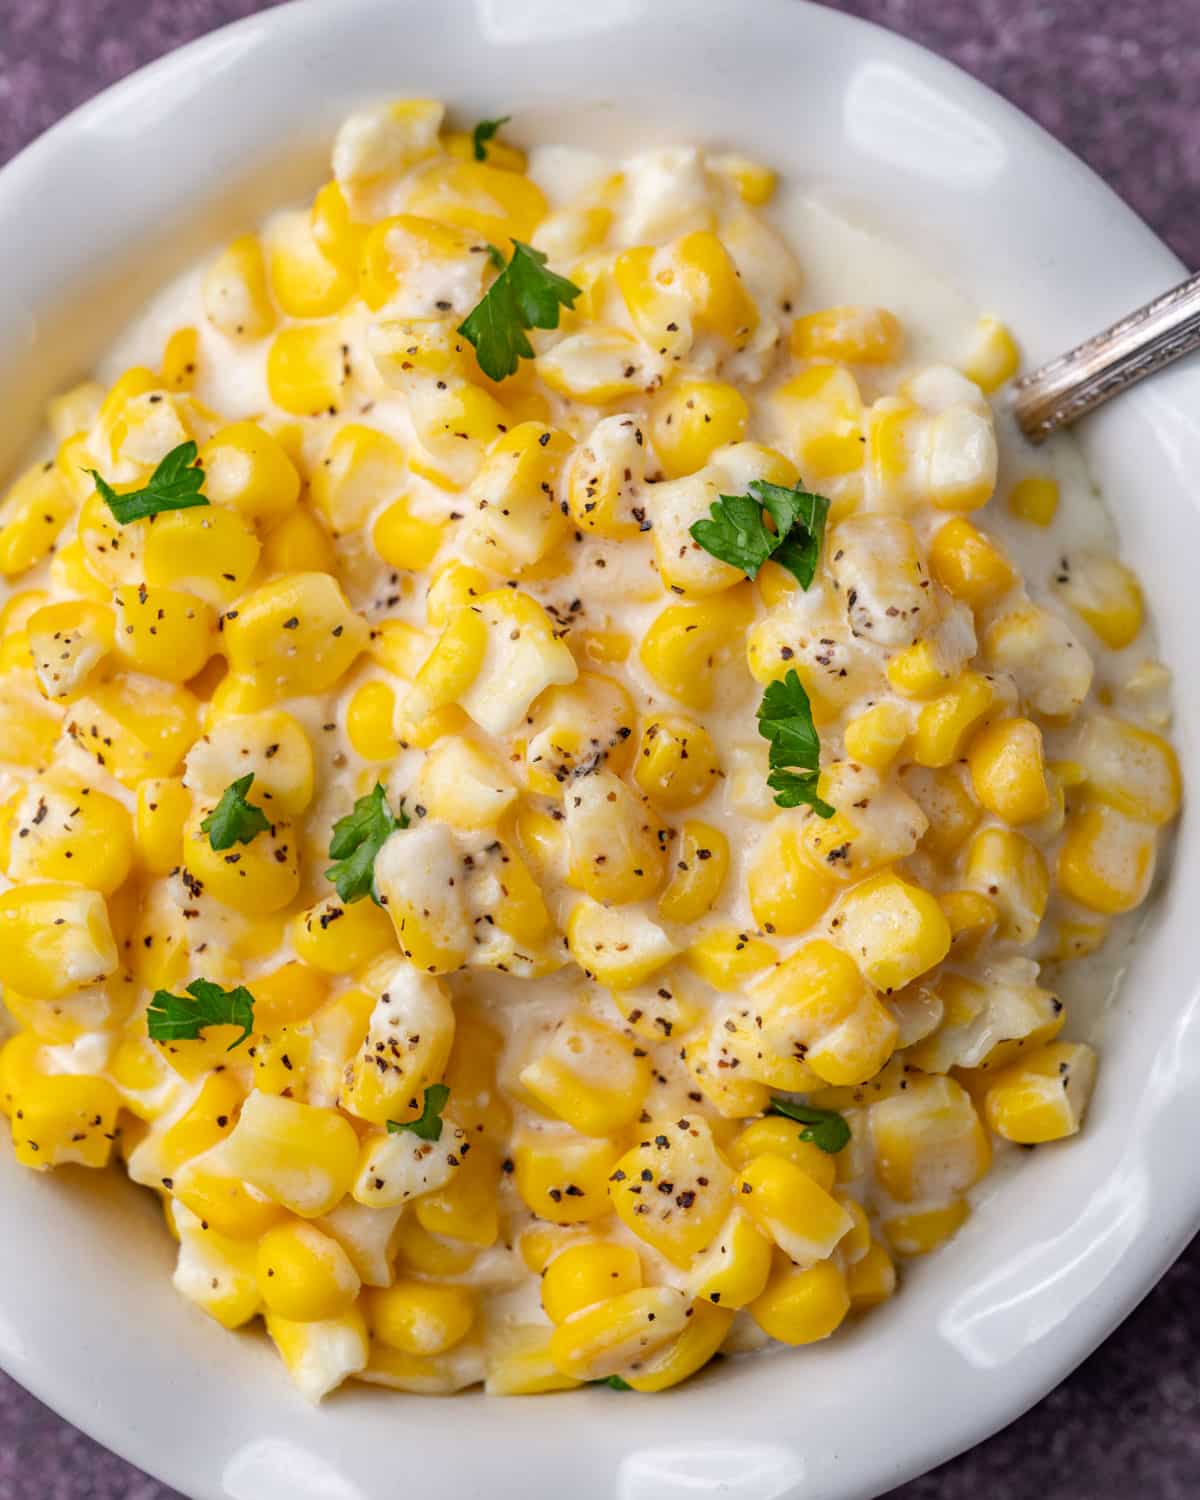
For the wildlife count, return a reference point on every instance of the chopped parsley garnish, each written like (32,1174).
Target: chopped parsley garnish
(736,530)
(357,839)
(614,1383)
(524,295)
(785,721)
(174,485)
(428,1124)
(175,1018)
(234,820)
(825,1128)
(483,133)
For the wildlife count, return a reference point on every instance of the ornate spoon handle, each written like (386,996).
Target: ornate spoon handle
(1102,367)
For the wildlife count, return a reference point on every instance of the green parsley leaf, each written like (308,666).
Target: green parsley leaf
(614,1383)
(234,820)
(173,1018)
(736,532)
(429,1124)
(785,721)
(524,295)
(357,839)
(825,1128)
(174,485)
(483,133)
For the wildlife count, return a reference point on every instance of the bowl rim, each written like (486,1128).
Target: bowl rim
(58,1387)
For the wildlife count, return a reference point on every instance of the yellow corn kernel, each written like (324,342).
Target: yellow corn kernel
(590,1076)
(802,1306)
(617,948)
(928,1141)
(1128,768)
(575,727)
(214,1272)
(877,735)
(968,914)
(420,1317)
(1105,594)
(270,743)
(466,1208)
(335,231)
(604,647)
(949,807)
(429,1254)
(621,1334)
(304,1275)
(520,1364)
(298,544)
(685,643)
(755,183)
(369,717)
(281,1059)
(734,1271)
(298,1155)
(464,786)
(32,513)
(820,414)
(872,1279)
(927,1230)
(672,1189)
(63,1118)
(289,994)
(718,1075)
(1042,1097)
(75,410)
(584,1274)
(28,726)
(598,365)
(1006,867)
(249,470)
(993,357)
(616,851)
(65,831)
(163,632)
(917,670)
(19,1058)
(479,197)
(339,939)
(256,878)
(1106,860)
(1052,671)
(787,892)
(857,335)
(359,467)
(701,865)
(237,301)
(774,1135)
(319,1356)
(209,1188)
(892,929)
(691,419)
(180,356)
(514,515)
(563,1177)
(676,762)
(784,1201)
(66,642)
(56,939)
(419,879)
(306,283)
(1008,770)
(294,635)
(1035,499)
(404,540)
(710,281)
(696,1345)
(945,724)
(968,565)
(604,476)
(498,153)
(960,457)
(306,370)
(209,550)
(727,956)
(815,1006)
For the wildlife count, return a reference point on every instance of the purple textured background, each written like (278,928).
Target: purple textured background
(1119,82)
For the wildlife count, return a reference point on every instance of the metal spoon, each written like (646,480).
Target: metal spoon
(1102,367)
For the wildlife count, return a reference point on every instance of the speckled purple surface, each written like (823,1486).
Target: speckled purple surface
(1119,82)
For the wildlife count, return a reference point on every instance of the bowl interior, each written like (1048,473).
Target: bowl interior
(132,188)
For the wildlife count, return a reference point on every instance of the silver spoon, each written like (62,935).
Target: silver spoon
(1060,392)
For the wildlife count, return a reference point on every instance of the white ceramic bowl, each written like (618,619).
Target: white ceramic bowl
(105,207)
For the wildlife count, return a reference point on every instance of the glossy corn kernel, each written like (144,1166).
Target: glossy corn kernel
(755,183)
(1035,499)
(520,1364)
(32,513)
(298,544)
(589,1076)
(775,1135)
(875,737)
(960,457)
(727,956)
(415,876)
(691,419)
(872,1279)
(294,635)
(210,551)
(686,643)
(369,717)
(63,1118)
(214,1272)
(892,929)
(993,358)
(306,283)
(857,335)
(563,1177)
(926,1230)
(802,1306)
(271,744)
(249,470)
(1052,670)
(620,1334)
(675,763)
(817,1014)
(1106,859)
(582,1275)
(55,939)
(820,414)
(306,371)
(66,643)
(1042,1096)
(28,725)
(672,1189)
(945,724)
(700,1340)
(237,300)
(419,1317)
(255,878)
(734,1270)
(304,1275)
(928,1141)
(791,1208)
(464,786)
(603,478)
(698,874)
(297,1155)
(787,892)
(466,1208)
(163,632)
(66,831)
(1105,594)
(1129,768)
(968,565)
(1008,770)
(618,948)
(1006,867)
(514,515)
(319,1356)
